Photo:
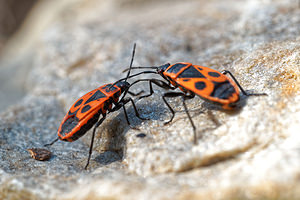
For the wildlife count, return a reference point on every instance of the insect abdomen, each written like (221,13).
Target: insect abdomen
(223,90)
(83,129)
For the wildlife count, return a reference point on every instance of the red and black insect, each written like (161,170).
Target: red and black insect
(85,112)
(192,80)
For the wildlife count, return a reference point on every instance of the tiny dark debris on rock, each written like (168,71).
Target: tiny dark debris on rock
(40,154)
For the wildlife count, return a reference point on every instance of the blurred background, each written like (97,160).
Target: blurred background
(12,16)
(22,23)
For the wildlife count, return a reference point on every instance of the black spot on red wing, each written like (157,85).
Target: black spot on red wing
(191,72)
(223,90)
(186,79)
(78,102)
(176,68)
(214,74)
(200,85)
(73,113)
(68,125)
(97,95)
(85,108)
(85,127)
(200,68)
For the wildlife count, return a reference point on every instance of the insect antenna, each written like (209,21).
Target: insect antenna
(129,69)
(152,67)
(133,52)
(125,79)
(51,142)
(144,72)
(132,57)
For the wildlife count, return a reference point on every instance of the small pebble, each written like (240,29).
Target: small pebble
(40,154)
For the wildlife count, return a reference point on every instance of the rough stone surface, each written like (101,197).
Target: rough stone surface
(252,153)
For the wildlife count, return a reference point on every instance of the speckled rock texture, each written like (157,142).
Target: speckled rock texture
(252,153)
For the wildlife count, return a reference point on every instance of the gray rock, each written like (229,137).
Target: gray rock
(252,153)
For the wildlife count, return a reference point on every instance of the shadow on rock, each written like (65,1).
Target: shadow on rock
(109,157)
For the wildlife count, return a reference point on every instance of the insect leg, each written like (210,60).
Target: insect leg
(51,142)
(243,91)
(122,104)
(189,116)
(157,82)
(92,141)
(151,91)
(125,112)
(135,94)
(171,95)
(234,79)
(125,101)
(135,109)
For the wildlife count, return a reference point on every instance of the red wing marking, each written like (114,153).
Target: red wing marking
(88,106)
(208,84)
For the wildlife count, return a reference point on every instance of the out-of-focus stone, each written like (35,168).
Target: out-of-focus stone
(252,153)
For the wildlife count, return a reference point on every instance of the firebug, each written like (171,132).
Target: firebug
(207,83)
(85,112)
